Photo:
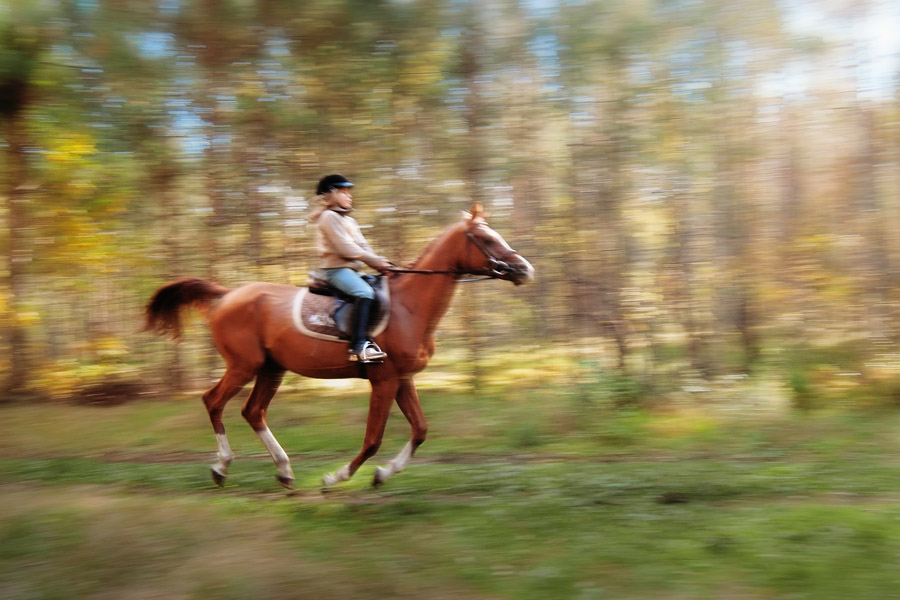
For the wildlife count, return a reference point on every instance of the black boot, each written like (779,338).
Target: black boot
(361,349)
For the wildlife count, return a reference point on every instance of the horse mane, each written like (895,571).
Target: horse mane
(466,218)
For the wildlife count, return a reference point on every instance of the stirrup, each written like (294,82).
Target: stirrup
(370,353)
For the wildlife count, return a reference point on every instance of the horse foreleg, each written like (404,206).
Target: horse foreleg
(215,400)
(408,401)
(383,394)
(254,411)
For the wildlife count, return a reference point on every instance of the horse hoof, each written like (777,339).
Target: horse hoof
(218,477)
(381,475)
(342,474)
(286,482)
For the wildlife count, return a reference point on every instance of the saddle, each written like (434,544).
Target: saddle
(324,312)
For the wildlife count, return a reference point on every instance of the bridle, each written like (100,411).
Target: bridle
(497,265)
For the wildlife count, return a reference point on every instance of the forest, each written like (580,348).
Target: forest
(707,190)
(697,397)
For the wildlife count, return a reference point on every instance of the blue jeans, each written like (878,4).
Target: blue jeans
(350,282)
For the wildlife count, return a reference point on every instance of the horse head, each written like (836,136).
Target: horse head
(487,253)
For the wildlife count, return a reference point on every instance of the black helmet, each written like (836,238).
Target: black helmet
(329,182)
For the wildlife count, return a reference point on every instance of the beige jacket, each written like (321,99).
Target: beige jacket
(341,244)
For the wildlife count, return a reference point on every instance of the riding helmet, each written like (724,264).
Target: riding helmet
(330,182)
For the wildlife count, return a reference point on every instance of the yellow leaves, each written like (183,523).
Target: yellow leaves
(110,348)
(652,224)
(424,68)
(74,166)
(21,316)
(251,89)
(81,188)
(71,149)
(75,236)
(27,318)
(101,359)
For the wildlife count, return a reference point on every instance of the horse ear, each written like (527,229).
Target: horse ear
(475,215)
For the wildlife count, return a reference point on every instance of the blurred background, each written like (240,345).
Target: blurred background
(708,190)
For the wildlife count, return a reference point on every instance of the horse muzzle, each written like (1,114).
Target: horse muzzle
(519,272)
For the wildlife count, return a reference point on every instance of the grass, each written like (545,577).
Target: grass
(525,491)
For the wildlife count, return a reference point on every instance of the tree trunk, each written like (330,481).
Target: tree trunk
(163,179)
(474,167)
(17,255)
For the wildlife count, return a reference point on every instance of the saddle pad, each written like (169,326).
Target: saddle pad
(312,316)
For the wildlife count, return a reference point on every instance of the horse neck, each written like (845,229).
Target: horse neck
(431,294)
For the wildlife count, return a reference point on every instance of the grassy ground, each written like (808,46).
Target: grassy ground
(524,491)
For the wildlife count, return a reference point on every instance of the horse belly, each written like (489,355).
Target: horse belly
(311,357)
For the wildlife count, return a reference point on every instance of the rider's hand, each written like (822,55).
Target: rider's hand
(385,265)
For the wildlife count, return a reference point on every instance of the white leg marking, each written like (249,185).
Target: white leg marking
(277,452)
(225,455)
(343,474)
(397,464)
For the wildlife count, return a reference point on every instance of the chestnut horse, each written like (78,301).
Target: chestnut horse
(254,332)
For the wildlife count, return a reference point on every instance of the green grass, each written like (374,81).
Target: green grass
(521,492)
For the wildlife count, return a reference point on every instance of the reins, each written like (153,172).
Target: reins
(446,272)
(422,271)
(497,267)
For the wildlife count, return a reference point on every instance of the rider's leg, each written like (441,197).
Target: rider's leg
(350,282)
(361,348)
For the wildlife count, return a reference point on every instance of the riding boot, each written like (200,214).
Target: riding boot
(361,348)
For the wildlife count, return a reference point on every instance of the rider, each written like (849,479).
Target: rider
(343,250)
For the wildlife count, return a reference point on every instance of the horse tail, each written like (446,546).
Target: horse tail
(163,312)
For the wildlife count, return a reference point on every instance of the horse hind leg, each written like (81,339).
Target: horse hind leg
(215,400)
(408,401)
(267,381)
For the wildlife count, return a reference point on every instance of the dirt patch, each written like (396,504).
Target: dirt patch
(113,393)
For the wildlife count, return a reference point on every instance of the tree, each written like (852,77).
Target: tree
(22,43)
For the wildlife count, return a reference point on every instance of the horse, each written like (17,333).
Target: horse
(254,332)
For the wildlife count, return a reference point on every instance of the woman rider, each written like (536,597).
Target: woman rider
(343,251)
